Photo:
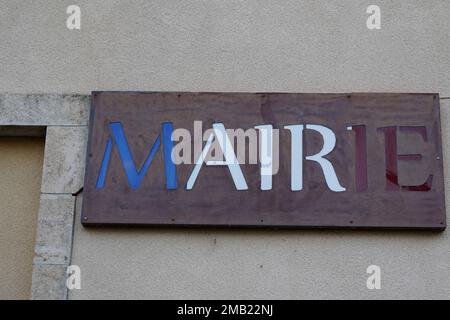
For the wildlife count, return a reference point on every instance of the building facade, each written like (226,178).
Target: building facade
(48,72)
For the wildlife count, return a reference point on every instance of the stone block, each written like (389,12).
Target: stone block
(49,282)
(64,160)
(44,109)
(54,229)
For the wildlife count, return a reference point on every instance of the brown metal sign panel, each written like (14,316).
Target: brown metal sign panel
(366,160)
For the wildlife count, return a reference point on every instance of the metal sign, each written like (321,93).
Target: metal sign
(278,160)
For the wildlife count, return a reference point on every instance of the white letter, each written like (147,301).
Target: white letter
(374,281)
(329,141)
(74,20)
(198,139)
(265,155)
(238,138)
(74,279)
(230,159)
(296,156)
(181,152)
(374,20)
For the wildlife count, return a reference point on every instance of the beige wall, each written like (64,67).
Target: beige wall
(20,182)
(216,45)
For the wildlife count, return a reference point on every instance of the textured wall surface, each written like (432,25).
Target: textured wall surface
(285,46)
(20,172)
(216,45)
(216,264)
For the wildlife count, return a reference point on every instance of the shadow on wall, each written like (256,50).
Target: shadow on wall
(21,161)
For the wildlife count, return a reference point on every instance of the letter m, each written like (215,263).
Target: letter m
(135,176)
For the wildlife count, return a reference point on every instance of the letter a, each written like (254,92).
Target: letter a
(374,20)
(74,20)
(230,159)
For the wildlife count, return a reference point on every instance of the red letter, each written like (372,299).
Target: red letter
(360,157)
(390,147)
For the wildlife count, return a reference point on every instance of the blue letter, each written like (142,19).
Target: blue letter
(134,175)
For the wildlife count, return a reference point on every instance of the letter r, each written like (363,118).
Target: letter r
(329,140)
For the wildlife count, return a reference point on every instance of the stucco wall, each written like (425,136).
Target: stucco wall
(284,46)
(20,172)
(216,45)
(253,264)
